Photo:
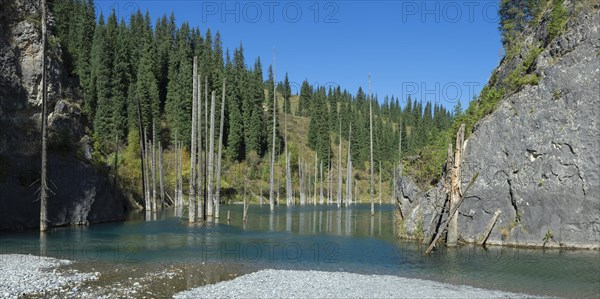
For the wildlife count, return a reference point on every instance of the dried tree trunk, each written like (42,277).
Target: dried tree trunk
(161,176)
(321,199)
(371,144)
(192,199)
(180,174)
(340,178)
(211,156)
(316,179)
(207,197)
(200,174)
(146,174)
(301,179)
(44,162)
(455,193)
(271,197)
(380,189)
(176,165)
(220,154)
(349,179)
(288,172)
(245,212)
(154,166)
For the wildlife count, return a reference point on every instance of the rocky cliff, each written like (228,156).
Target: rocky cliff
(537,154)
(81,194)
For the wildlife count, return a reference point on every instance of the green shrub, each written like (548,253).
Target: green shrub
(558,20)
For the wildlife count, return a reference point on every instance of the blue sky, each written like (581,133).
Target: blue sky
(432,50)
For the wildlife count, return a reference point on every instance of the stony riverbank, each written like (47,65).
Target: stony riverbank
(317,284)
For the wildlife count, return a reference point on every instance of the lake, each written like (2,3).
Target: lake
(318,238)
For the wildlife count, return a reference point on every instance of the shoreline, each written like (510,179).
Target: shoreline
(45,277)
(321,284)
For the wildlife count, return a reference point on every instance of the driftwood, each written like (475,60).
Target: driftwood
(489,228)
(453,210)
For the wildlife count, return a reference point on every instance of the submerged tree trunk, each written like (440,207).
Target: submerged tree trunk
(220,153)
(44,162)
(316,180)
(146,174)
(192,199)
(211,156)
(180,174)
(321,198)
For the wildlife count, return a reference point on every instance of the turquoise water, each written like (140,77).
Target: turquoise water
(319,238)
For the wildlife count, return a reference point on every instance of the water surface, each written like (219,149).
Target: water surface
(319,238)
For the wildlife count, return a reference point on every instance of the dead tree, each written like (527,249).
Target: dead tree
(161,176)
(322,198)
(316,179)
(455,189)
(271,195)
(218,191)
(211,157)
(340,179)
(146,170)
(453,210)
(200,173)
(371,143)
(154,167)
(206,111)
(488,229)
(176,165)
(380,189)
(288,172)
(180,174)
(349,169)
(301,181)
(192,198)
(44,162)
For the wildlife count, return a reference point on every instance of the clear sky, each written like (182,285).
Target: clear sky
(432,50)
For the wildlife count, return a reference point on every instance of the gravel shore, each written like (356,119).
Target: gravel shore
(31,275)
(316,284)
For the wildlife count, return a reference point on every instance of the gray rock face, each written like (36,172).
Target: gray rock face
(82,193)
(538,153)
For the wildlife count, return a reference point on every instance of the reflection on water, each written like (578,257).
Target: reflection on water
(314,237)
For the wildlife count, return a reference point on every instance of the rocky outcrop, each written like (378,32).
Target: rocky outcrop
(537,154)
(81,194)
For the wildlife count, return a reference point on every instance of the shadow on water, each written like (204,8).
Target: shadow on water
(317,238)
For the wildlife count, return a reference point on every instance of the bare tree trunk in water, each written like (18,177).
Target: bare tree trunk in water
(44,162)
(371,144)
(200,175)
(340,177)
(349,168)
(455,192)
(316,179)
(192,198)
(161,176)
(211,156)
(220,153)
(271,183)
(154,166)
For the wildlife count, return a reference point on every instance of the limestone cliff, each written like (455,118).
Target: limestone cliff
(82,194)
(538,153)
